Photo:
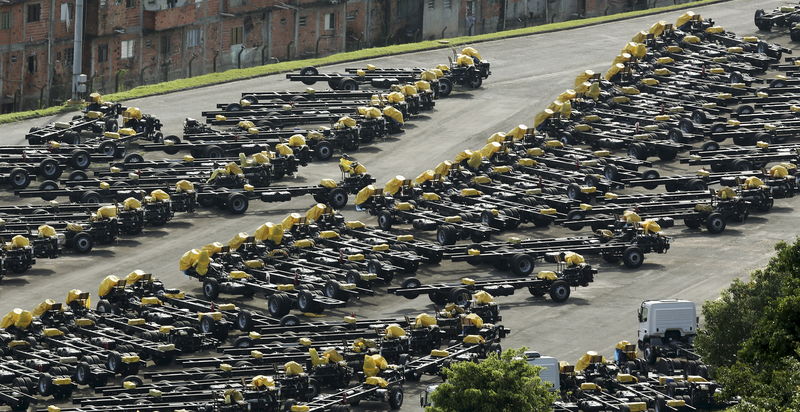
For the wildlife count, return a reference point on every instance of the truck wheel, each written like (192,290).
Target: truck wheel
(244,320)
(213,152)
(522,264)
(348,84)
(445,87)
(460,296)
(395,397)
(19,178)
(169,142)
(104,306)
(237,203)
(290,320)
(211,288)
(277,305)
(715,223)
(50,169)
(410,283)
(385,220)
(82,242)
(305,301)
(691,223)
(133,158)
(91,197)
(323,150)
(696,185)
(337,198)
(78,175)
(80,159)
(559,291)
(611,172)
(633,257)
(446,235)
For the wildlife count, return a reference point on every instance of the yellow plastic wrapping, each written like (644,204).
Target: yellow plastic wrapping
(547,275)
(290,220)
(43,307)
(443,168)
(753,182)
(685,18)
(395,97)
(613,70)
(470,51)
(490,148)
(583,77)
(474,339)
(657,29)
(261,381)
(423,320)
(297,140)
(594,91)
(160,195)
(393,114)
(364,194)
(482,297)
(424,177)
(778,171)
(315,212)
(238,240)
(106,212)
(18,318)
(408,90)
(726,193)
(292,368)
(203,260)
(284,149)
(131,203)
(464,60)
(473,319)
(107,284)
(213,248)
(518,132)
(393,185)
(395,331)
(573,259)
(422,85)
(497,137)
(132,113)
(650,226)
(541,117)
(475,160)
(631,217)
(19,242)
(588,358)
(188,259)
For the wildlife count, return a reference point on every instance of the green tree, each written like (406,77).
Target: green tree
(498,383)
(752,334)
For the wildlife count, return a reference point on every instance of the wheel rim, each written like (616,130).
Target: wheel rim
(19,179)
(208,289)
(561,292)
(634,258)
(525,266)
(49,169)
(339,199)
(238,204)
(82,243)
(82,161)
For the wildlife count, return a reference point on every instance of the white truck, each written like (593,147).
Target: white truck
(667,328)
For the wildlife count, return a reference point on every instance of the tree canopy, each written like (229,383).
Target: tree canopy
(498,383)
(752,334)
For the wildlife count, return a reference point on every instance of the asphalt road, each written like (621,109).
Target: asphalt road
(528,72)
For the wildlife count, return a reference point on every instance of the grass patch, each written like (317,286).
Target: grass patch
(250,72)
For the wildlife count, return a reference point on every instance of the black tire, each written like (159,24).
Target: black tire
(460,296)
(692,223)
(337,198)
(410,283)
(213,152)
(107,148)
(290,320)
(633,257)
(475,82)
(91,197)
(237,203)
(696,185)
(385,220)
(522,264)
(395,397)
(574,191)
(611,172)
(244,320)
(715,223)
(348,84)
(82,242)
(277,305)
(666,154)
(19,178)
(211,289)
(104,306)
(741,165)
(445,87)
(446,235)
(309,71)
(133,158)
(710,146)
(559,291)
(45,385)
(323,150)
(171,149)
(80,159)
(78,175)
(305,301)
(50,169)
(638,151)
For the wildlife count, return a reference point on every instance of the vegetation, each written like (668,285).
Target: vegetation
(240,74)
(752,334)
(505,382)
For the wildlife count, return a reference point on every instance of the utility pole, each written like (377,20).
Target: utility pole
(77,52)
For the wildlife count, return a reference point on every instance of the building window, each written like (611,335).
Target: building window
(330,21)
(237,34)
(302,21)
(431,4)
(69,56)
(130,3)
(126,49)
(5,20)
(448,4)
(34,12)
(166,44)
(32,66)
(194,37)
(102,53)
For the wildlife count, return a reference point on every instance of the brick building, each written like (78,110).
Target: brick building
(133,42)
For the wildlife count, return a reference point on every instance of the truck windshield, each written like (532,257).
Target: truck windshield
(643,314)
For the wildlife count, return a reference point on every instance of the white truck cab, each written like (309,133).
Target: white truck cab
(666,323)
(550,370)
